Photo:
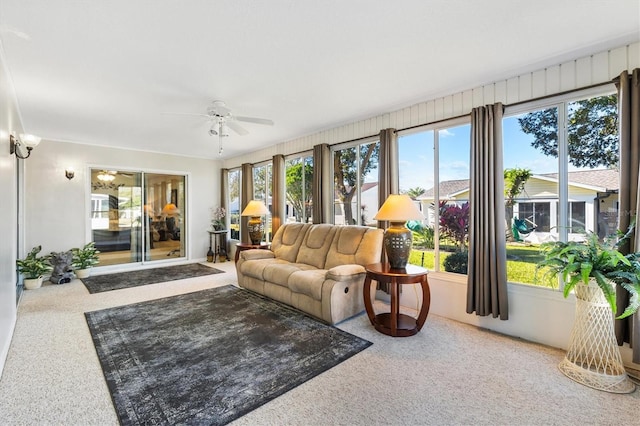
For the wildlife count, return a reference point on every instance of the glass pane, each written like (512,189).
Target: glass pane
(345,169)
(299,182)
(116,212)
(416,174)
(165,213)
(531,189)
(592,139)
(453,202)
(234,203)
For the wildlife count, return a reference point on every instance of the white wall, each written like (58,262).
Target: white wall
(57,208)
(9,122)
(535,314)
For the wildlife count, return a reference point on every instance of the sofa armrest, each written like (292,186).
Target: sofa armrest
(254,254)
(345,272)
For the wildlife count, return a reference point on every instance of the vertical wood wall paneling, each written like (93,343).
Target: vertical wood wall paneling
(478,99)
(500,92)
(633,56)
(583,72)
(538,84)
(617,61)
(568,76)
(513,86)
(458,104)
(553,80)
(525,90)
(600,67)
(431,111)
(447,106)
(439,108)
(422,112)
(489,94)
(467,100)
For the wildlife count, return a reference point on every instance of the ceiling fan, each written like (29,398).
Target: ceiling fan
(222,120)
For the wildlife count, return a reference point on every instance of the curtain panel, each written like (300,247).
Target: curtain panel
(247,195)
(224,194)
(322,189)
(387,179)
(278,205)
(628,329)
(487,274)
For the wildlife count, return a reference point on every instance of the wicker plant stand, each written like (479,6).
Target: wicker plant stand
(593,358)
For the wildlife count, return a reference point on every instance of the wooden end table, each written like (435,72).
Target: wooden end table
(247,246)
(394,323)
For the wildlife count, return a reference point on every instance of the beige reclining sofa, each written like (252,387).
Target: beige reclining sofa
(318,269)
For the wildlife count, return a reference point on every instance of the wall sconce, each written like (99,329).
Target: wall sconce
(17,145)
(69,173)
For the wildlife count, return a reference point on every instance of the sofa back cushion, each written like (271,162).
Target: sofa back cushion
(316,244)
(287,240)
(359,245)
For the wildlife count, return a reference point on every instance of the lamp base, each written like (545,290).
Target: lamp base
(256,230)
(397,243)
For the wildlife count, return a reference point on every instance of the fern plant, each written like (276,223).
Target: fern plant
(578,262)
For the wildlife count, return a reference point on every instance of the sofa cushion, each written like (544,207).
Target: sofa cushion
(308,282)
(345,272)
(287,240)
(278,273)
(255,268)
(355,245)
(316,244)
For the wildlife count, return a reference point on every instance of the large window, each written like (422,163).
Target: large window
(566,156)
(299,189)
(355,172)
(434,171)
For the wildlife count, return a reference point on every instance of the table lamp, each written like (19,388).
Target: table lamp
(397,209)
(255,209)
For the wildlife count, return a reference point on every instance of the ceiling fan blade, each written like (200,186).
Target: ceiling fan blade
(192,114)
(237,128)
(254,120)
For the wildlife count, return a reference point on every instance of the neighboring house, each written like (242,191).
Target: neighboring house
(593,203)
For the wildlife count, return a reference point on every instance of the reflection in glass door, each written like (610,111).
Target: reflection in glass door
(132,222)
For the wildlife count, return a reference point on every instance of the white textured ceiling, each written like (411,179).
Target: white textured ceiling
(104,72)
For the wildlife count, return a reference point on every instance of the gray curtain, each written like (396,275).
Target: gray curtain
(487,274)
(247,195)
(278,205)
(628,329)
(387,168)
(387,180)
(322,187)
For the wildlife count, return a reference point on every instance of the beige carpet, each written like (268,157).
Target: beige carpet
(448,374)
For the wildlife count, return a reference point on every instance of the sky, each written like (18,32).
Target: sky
(417,159)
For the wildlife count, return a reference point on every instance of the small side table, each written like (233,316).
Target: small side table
(247,246)
(218,241)
(394,323)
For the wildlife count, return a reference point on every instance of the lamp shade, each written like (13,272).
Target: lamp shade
(30,141)
(170,209)
(255,208)
(398,208)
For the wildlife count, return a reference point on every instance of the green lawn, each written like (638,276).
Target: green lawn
(521,263)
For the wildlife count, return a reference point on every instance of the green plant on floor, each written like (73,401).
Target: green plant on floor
(85,257)
(32,266)
(600,261)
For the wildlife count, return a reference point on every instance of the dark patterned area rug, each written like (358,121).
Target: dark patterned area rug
(210,356)
(119,280)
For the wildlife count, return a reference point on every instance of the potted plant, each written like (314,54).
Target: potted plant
(217,218)
(592,269)
(33,268)
(84,258)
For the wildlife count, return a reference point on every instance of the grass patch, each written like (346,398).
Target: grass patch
(521,263)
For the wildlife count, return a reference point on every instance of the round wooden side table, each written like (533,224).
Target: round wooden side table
(247,246)
(394,323)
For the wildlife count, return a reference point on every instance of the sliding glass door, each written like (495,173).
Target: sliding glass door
(137,216)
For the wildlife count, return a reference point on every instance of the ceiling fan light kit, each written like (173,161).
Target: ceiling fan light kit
(222,120)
